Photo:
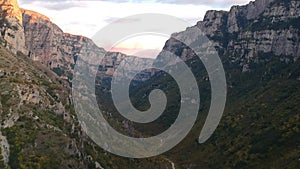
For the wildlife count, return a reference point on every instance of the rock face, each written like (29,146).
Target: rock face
(10,8)
(11,26)
(39,123)
(243,33)
(36,36)
(28,84)
(247,33)
(48,44)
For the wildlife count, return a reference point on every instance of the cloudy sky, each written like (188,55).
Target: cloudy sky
(86,17)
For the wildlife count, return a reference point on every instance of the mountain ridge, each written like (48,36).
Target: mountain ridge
(34,15)
(260,127)
(11,26)
(242,40)
(43,41)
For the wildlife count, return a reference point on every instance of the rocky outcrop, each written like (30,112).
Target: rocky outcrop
(247,33)
(34,16)
(274,31)
(30,95)
(36,36)
(11,26)
(48,44)
(10,9)
(244,32)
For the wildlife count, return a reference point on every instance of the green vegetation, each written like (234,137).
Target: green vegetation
(20,137)
(260,127)
(45,135)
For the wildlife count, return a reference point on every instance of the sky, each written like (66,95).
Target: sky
(87,17)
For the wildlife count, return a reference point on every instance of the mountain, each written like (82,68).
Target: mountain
(246,32)
(35,106)
(11,26)
(36,36)
(259,47)
(258,44)
(39,127)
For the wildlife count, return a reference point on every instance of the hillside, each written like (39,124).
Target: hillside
(259,46)
(35,107)
(39,128)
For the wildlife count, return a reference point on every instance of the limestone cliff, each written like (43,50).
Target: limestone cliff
(252,33)
(11,26)
(48,44)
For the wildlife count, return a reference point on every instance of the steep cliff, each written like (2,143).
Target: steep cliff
(35,106)
(48,44)
(38,124)
(246,33)
(259,47)
(11,26)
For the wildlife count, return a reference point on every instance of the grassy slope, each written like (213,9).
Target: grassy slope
(52,140)
(33,142)
(261,123)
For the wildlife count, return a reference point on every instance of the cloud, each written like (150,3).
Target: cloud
(213,3)
(85,17)
(120,19)
(55,4)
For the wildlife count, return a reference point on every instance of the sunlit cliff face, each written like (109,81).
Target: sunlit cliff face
(34,16)
(88,17)
(10,8)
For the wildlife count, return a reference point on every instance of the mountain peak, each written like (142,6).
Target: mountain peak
(12,26)
(34,15)
(10,8)
(255,8)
